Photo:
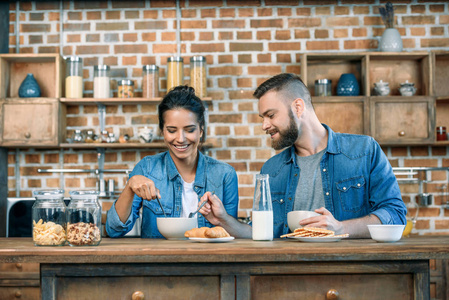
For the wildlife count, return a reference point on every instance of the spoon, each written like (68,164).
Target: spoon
(192,214)
(159,201)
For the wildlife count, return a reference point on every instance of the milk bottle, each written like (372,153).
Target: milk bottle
(262,218)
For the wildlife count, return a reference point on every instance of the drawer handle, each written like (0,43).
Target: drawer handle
(19,266)
(18,294)
(401,133)
(27,135)
(138,296)
(332,295)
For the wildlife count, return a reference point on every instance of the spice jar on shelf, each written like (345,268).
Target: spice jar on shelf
(49,220)
(150,81)
(84,219)
(441,133)
(198,75)
(102,85)
(74,77)
(323,87)
(175,71)
(125,88)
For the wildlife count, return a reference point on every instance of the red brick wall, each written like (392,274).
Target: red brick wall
(245,42)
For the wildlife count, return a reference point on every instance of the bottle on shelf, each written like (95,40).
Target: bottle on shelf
(102,85)
(74,77)
(198,75)
(150,81)
(175,71)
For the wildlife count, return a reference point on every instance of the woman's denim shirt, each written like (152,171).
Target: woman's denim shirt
(357,178)
(211,176)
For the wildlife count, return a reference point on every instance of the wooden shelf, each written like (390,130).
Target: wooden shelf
(117,101)
(153,145)
(441,143)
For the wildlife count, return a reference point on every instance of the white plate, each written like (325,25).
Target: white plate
(324,239)
(216,240)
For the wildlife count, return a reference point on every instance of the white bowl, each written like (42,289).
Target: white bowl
(295,216)
(174,228)
(386,233)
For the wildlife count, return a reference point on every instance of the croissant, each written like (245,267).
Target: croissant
(216,232)
(196,232)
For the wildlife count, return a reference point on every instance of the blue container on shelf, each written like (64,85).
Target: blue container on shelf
(348,85)
(29,87)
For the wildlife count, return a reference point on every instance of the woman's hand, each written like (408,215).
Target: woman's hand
(213,210)
(143,187)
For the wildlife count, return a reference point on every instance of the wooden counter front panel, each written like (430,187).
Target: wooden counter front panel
(366,286)
(153,287)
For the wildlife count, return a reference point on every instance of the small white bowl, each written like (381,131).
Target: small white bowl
(295,216)
(174,228)
(386,233)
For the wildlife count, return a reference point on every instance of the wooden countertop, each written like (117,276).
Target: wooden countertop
(133,250)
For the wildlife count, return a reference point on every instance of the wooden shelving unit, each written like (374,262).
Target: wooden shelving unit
(153,145)
(118,101)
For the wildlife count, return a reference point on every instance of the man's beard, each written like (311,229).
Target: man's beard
(288,136)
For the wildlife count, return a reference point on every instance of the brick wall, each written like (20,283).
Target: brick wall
(245,42)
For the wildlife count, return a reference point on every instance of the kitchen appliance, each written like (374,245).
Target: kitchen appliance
(19,222)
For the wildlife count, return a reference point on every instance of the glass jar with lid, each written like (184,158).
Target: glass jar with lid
(49,219)
(84,218)
(198,75)
(175,72)
(74,77)
(125,88)
(102,86)
(150,81)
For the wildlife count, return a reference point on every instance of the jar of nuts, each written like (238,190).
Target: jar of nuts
(84,219)
(198,75)
(49,219)
(125,88)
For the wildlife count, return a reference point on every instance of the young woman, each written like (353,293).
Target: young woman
(179,177)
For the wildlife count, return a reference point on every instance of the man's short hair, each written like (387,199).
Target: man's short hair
(290,85)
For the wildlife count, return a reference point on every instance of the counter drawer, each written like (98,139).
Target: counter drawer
(152,287)
(357,286)
(19,267)
(14,293)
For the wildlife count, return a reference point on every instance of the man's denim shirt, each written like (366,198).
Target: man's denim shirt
(357,177)
(211,176)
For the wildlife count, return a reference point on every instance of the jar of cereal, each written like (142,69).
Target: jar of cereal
(125,88)
(198,75)
(175,72)
(84,219)
(49,222)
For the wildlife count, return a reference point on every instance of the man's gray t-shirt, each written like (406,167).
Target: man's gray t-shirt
(309,192)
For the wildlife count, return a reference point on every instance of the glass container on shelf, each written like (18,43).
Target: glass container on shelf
(323,87)
(175,71)
(125,88)
(102,85)
(150,81)
(74,77)
(84,219)
(77,136)
(198,75)
(49,219)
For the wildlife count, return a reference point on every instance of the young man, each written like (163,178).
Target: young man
(345,178)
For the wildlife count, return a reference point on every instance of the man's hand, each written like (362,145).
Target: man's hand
(326,220)
(213,210)
(143,187)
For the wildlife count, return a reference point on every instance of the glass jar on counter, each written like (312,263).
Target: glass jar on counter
(49,219)
(74,77)
(150,81)
(175,72)
(102,85)
(84,219)
(125,88)
(198,75)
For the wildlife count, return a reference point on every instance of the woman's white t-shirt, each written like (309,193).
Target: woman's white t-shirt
(189,199)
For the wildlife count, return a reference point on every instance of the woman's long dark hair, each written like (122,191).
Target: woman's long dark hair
(182,97)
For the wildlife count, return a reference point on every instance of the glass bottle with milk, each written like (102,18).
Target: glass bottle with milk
(262,218)
(74,77)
